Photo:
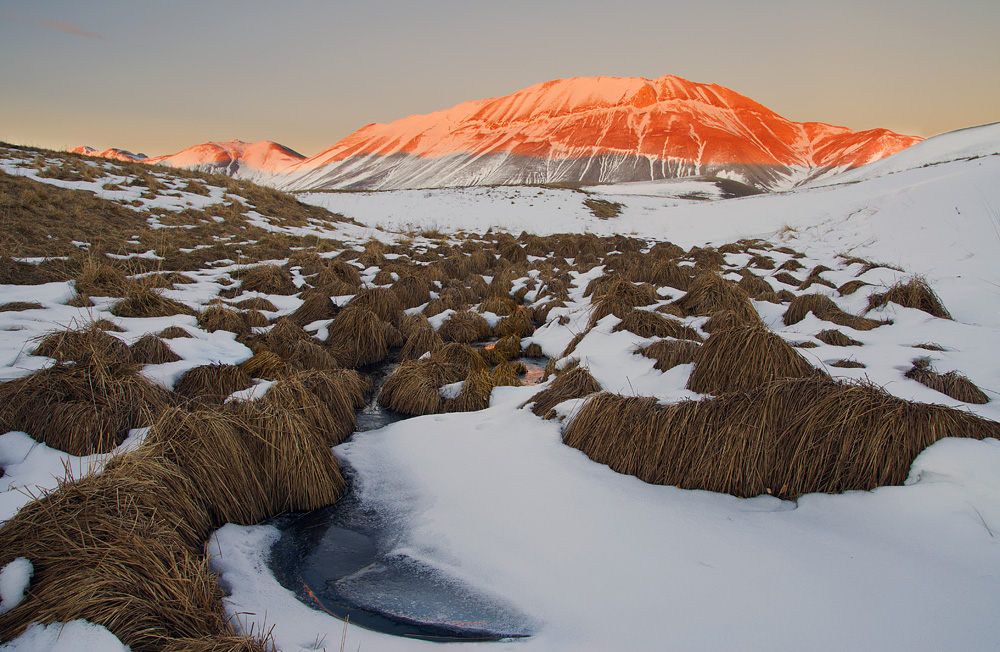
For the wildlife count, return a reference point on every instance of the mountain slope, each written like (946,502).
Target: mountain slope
(584,129)
(596,130)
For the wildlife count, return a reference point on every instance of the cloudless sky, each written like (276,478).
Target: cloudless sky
(158,76)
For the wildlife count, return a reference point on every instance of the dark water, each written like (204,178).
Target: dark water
(339,560)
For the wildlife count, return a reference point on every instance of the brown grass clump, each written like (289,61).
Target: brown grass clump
(414,387)
(517,323)
(420,340)
(84,344)
(710,293)
(533,350)
(650,324)
(507,374)
(382,301)
(786,438)
(102,551)
(575,383)
(952,384)
(475,394)
(80,408)
(742,359)
(823,307)
(914,293)
(142,301)
(412,291)
(358,337)
(20,306)
(754,285)
(787,279)
(339,273)
(618,297)
(266,279)
(340,392)
(254,318)
(670,353)
(847,364)
(256,303)
(171,332)
(464,327)
(220,318)
(851,287)
(504,349)
(212,383)
(315,306)
(501,306)
(467,357)
(150,349)
(834,337)
(101,280)
(265,364)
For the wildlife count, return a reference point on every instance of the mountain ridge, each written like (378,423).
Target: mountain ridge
(582,129)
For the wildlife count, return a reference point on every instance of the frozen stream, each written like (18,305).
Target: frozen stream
(342,560)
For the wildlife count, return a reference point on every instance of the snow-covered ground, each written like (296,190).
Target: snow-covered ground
(603,561)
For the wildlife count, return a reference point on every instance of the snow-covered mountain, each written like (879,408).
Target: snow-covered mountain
(593,130)
(585,129)
(111,153)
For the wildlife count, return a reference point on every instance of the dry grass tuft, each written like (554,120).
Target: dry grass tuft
(575,383)
(475,395)
(501,306)
(80,408)
(504,349)
(143,301)
(851,287)
(315,306)
(617,297)
(265,364)
(257,303)
(710,293)
(103,550)
(834,337)
(914,293)
(670,353)
(824,308)
(171,332)
(508,374)
(743,359)
(786,438)
(467,357)
(220,318)
(414,388)
(952,384)
(412,291)
(533,350)
(20,306)
(464,327)
(518,324)
(847,364)
(380,300)
(358,337)
(650,324)
(211,383)
(101,280)
(150,349)
(266,279)
(84,344)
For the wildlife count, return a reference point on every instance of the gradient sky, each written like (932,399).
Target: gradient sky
(159,76)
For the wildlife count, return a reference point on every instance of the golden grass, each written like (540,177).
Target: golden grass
(265,364)
(420,339)
(380,300)
(412,290)
(952,384)
(671,353)
(517,324)
(315,306)
(171,332)
(150,349)
(824,308)
(464,327)
(504,349)
(834,337)
(80,408)
(211,383)
(256,303)
(467,357)
(143,301)
(710,293)
(20,306)
(745,358)
(475,394)
(83,344)
(508,374)
(575,383)
(266,279)
(414,386)
(358,337)
(914,293)
(220,318)
(650,324)
(786,438)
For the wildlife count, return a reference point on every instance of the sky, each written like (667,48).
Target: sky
(157,77)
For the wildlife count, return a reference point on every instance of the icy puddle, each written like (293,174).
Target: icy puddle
(339,560)
(333,560)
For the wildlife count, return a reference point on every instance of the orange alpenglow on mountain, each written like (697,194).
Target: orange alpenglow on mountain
(585,129)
